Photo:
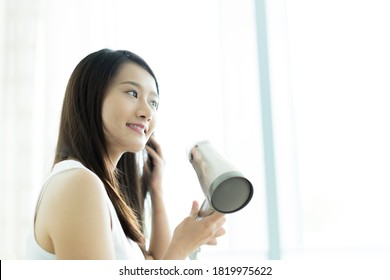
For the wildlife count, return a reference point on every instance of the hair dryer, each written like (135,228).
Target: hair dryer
(225,188)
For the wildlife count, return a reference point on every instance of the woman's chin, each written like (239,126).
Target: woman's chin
(136,148)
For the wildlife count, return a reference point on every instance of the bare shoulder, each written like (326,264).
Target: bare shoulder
(72,189)
(75,182)
(73,216)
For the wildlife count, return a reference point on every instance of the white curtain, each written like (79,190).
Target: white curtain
(329,77)
(203,53)
(24,119)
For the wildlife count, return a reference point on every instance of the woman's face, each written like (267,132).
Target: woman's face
(129,110)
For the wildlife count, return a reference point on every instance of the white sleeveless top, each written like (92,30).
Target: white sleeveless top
(125,248)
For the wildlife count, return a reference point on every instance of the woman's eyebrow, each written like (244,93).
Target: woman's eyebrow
(131,83)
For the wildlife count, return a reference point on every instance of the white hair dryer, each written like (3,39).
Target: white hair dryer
(225,188)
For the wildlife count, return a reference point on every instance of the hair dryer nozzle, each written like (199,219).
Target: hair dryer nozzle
(230,192)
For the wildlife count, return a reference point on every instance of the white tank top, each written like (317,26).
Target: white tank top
(125,248)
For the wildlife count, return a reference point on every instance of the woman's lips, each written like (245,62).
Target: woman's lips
(139,128)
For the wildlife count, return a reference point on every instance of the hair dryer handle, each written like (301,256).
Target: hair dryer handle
(205,210)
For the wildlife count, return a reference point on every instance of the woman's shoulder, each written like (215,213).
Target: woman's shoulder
(75,184)
(73,208)
(73,190)
(69,170)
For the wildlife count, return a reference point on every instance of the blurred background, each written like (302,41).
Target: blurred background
(294,92)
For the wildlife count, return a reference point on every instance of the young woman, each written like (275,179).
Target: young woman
(107,160)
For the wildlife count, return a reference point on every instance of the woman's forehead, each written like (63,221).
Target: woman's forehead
(132,73)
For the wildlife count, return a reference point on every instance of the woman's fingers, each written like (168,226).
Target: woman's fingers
(194,209)
(155,146)
(215,223)
(216,218)
(152,152)
(192,233)
(213,241)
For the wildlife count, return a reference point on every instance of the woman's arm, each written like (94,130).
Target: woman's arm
(160,233)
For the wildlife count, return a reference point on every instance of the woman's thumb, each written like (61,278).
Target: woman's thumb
(194,209)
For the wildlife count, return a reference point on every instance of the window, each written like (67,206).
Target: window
(329,66)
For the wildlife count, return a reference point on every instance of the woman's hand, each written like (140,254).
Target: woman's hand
(190,234)
(157,166)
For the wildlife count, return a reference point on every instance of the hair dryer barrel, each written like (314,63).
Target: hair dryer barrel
(226,189)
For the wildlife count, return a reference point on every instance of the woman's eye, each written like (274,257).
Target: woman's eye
(154,104)
(133,93)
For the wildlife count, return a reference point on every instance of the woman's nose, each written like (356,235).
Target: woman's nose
(144,111)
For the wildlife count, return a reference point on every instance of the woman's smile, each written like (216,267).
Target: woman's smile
(137,127)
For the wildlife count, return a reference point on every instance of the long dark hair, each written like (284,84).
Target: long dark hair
(81,137)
